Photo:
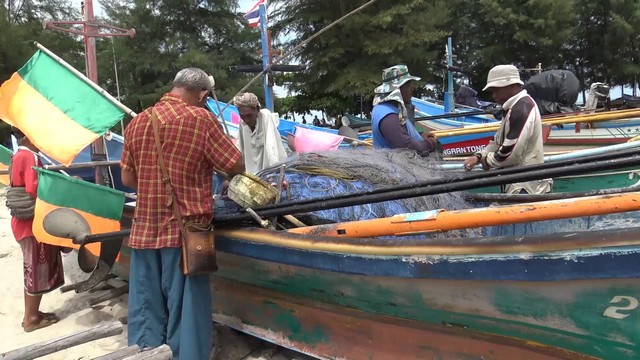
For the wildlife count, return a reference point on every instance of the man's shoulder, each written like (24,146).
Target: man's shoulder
(524,105)
(198,112)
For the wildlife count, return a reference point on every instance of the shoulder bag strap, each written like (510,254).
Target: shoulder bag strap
(165,174)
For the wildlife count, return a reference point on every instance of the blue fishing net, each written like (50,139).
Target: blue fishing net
(323,175)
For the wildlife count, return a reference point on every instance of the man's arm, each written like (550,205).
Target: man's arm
(129,178)
(511,152)
(128,173)
(397,135)
(220,151)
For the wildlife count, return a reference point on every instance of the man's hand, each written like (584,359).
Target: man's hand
(470,162)
(431,139)
(427,135)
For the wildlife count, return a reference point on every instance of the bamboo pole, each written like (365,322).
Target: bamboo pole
(442,220)
(120,354)
(51,346)
(613,115)
(88,81)
(162,352)
(83,165)
(109,294)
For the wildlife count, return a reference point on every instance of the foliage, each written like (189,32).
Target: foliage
(597,39)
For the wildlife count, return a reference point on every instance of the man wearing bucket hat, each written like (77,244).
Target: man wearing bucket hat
(392,114)
(518,141)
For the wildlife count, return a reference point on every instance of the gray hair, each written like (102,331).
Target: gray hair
(192,79)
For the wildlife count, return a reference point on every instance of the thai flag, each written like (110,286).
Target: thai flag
(253,15)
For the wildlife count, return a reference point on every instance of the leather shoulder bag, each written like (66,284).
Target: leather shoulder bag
(198,240)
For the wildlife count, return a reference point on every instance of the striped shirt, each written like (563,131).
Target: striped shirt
(518,142)
(193,145)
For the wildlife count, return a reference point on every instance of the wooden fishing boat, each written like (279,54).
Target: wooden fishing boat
(553,289)
(534,293)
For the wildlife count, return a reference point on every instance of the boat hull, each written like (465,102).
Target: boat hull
(334,332)
(578,302)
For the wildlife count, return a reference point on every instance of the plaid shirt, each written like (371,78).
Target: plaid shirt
(193,145)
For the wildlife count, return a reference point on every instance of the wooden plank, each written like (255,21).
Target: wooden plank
(162,352)
(109,294)
(51,346)
(120,354)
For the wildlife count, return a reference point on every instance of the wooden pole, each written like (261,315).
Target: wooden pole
(442,220)
(162,352)
(109,294)
(612,115)
(51,346)
(89,82)
(120,354)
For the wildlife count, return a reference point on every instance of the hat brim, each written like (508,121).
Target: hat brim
(502,83)
(388,87)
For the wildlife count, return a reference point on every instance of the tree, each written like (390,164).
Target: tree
(171,35)
(522,33)
(345,63)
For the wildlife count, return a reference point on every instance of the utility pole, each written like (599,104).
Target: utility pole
(90,31)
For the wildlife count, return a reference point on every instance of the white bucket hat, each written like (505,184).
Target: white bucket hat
(503,75)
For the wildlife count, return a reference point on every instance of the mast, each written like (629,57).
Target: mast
(449,105)
(266,57)
(90,31)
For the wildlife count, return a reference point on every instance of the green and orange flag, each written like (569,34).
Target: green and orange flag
(59,112)
(99,205)
(5,161)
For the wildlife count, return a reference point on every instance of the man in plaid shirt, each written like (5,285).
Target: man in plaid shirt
(166,307)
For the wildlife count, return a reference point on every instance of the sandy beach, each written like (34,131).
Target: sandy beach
(73,309)
(76,315)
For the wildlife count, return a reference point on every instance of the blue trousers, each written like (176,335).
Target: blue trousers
(166,307)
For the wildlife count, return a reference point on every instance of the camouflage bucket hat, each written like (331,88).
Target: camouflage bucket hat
(393,78)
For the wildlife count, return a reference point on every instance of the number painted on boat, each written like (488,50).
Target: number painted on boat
(613,311)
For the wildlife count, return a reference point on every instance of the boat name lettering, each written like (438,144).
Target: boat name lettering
(464,149)
(612,311)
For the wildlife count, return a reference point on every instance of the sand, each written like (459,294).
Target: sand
(76,315)
(73,309)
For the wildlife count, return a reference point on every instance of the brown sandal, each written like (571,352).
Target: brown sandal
(42,324)
(46,315)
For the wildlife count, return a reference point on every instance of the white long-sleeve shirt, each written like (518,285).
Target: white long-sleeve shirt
(262,147)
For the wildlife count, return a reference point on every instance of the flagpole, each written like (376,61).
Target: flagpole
(266,52)
(88,81)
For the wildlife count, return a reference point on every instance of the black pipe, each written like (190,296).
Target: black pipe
(525,198)
(94,238)
(465,176)
(460,185)
(454,115)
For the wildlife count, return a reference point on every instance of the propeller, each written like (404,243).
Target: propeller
(66,223)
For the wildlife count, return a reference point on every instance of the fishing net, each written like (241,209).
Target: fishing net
(326,174)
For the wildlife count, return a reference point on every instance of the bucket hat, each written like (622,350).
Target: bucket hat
(501,76)
(393,78)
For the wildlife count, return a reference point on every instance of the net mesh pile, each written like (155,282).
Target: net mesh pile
(322,175)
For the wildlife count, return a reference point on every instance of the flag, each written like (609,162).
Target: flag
(5,161)
(253,15)
(99,205)
(307,140)
(58,111)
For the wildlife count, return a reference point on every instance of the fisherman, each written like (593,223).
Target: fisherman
(518,141)
(259,140)
(43,271)
(165,306)
(392,114)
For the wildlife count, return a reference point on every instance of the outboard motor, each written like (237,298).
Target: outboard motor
(598,96)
